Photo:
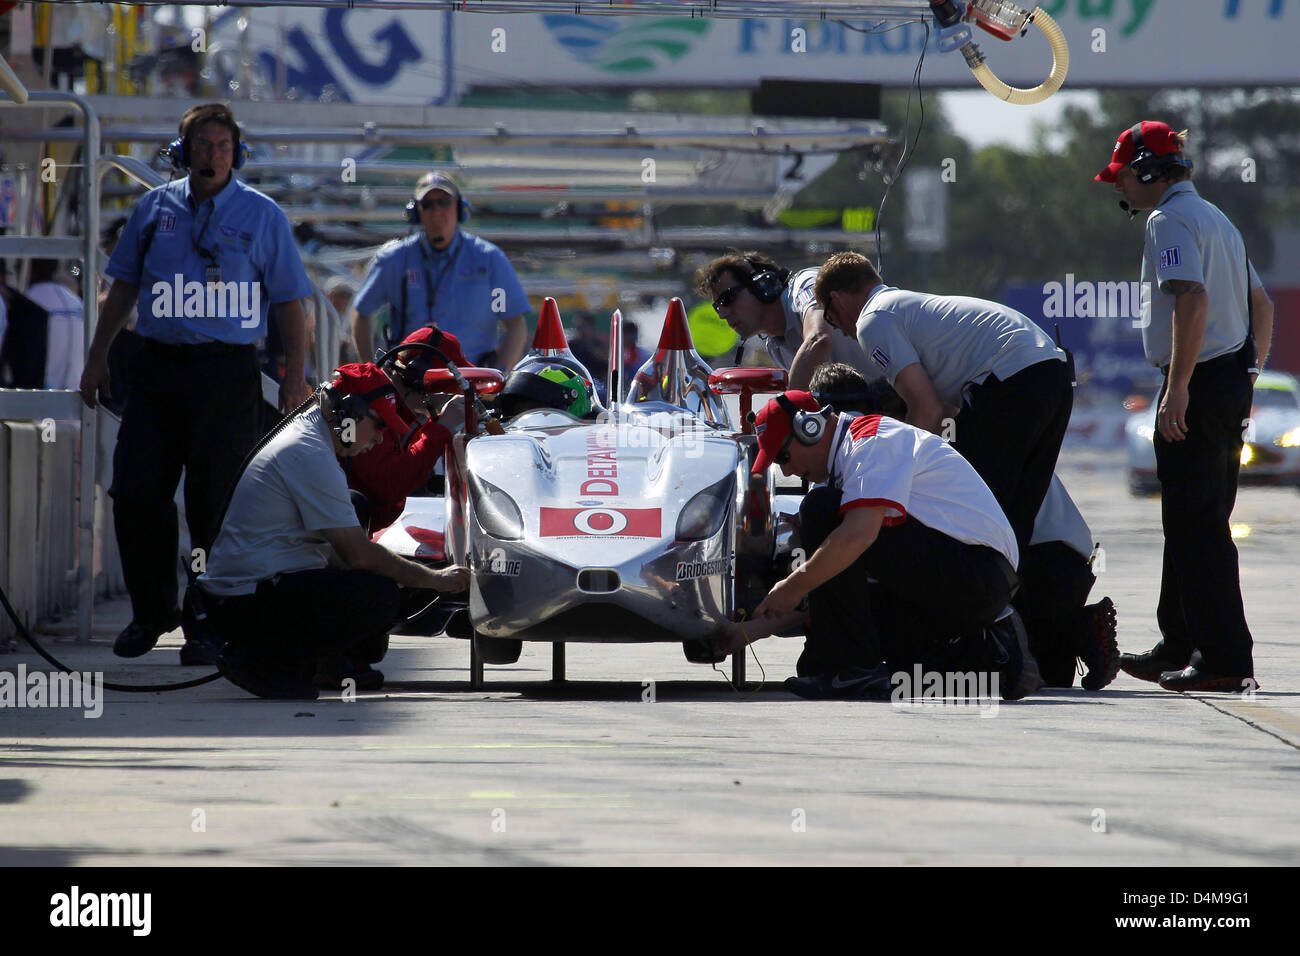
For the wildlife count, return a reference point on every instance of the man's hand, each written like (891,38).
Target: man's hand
(452,580)
(1171,418)
(452,415)
(293,392)
(94,377)
(782,599)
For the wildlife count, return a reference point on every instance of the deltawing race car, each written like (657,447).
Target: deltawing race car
(636,523)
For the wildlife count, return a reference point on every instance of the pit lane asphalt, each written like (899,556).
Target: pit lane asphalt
(429,772)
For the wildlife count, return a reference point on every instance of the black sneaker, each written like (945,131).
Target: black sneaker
(848,683)
(203,649)
(1100,652)
(330,675)
(1018,674)
(1153,663)
(137,640)
(1194,678)
(263,677)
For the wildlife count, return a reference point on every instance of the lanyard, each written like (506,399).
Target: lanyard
(209,254)
(431,287)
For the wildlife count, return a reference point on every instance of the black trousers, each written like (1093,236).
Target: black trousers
(1011,432)
(929,590)
(191,408)
(296,619)
(1057,580)
(1200,586)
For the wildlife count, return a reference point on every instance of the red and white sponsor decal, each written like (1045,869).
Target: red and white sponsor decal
(601,522)
(602,465)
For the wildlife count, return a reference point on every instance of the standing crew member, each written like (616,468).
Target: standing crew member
(207,255)
(986,367)
(901,506)
(1203,323)
(444,276)
(756,297)
(291,619)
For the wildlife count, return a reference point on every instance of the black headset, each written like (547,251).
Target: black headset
(463,209)
(412,372)
(178,152)
(766,284)
(354,407)
(806,427)
(1146,165)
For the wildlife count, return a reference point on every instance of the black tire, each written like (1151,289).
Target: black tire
(498,650)
(1142,487)
(701,652)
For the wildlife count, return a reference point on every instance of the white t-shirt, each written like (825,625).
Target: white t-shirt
(1059,519)
(879,461)
(796,300)
(958,340)
(65,352)
(293,488)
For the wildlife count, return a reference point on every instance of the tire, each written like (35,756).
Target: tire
(1142,487)
(701,652)
(498,650)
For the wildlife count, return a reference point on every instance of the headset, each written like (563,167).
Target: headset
(766,284)
(463,210)
(806,427)
(178,152)
(354,407)
(411,372)
(1146,165)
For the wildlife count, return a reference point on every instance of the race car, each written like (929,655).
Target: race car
(634,523)
(1270,453)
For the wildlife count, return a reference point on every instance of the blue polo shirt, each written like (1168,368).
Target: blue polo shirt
(466,289)
(170,244)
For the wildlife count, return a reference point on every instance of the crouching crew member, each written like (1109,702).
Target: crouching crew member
(1056,568)
(294,587)
(910,556)
(755,297)
(401,462)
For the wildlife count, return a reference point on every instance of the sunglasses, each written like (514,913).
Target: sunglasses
(726,298)
(783,456)
(445,202)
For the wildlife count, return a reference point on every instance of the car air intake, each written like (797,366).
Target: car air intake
(598,580)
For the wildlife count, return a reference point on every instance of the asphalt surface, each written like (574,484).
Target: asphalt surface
(641,757)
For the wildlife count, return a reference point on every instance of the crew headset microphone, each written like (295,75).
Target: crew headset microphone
(767,285)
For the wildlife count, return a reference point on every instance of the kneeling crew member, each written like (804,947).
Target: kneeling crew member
(901,506)
(274,587)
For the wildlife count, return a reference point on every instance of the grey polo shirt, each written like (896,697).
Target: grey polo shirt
(1189,238)
(292,489)
(796,300)
(958,340)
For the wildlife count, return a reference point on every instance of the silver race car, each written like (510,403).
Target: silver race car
(634,523)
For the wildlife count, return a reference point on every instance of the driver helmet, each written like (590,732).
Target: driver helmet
(548,384)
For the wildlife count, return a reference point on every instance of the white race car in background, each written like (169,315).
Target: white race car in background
(642,525)
(1270,454)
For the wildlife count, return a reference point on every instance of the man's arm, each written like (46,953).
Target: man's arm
(361,554)
(924,409)
(1261,323)
(363,334)
(512,342)
(1191,308)
(856,532)
(815,349)
(113,316)
(293,333)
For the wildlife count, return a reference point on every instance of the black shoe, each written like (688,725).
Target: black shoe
(1100,652)
(203,649)
(1018,674)
(331,675)
(848,683)
(1194,678)
(262,677)
(1153,663)
(137,640)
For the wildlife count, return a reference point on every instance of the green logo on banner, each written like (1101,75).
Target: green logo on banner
(616,47)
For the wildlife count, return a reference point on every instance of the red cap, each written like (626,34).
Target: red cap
(1157,137)
(365,378)
(444,342)
(677,330)
(550,330)
(772,426)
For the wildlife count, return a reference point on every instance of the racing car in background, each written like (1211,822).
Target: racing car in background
(636,523)
(1270,453)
